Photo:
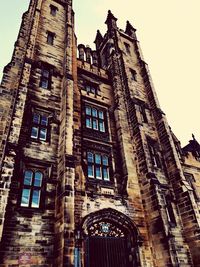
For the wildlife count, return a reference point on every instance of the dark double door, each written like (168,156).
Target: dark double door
(106,252)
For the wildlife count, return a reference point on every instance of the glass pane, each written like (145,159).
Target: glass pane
(101,126)
(50,39)
(97,159)
(53,10)
(43,134)
(88,110)
(25,197)
(35,199)
(90,157)
(36,118)
(38,179)
(90,171)
(44,120)
(106,174)
(93,90)
(101,116)
(105,160)
(34,132)
(45,73)
(28,175)
(95,124)
(88,88)
(44,83)
(98,172)
(88,123)
(94,112)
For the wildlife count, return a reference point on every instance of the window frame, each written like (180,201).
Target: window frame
(133,74)
(53,10)
(50,38)
(99,165)
(46,77)
(154,154)
(127,47)
(32,188)
(91,88)
(96,122)
(39,126)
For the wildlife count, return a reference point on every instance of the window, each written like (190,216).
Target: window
(95,119)
(143,114)
(127,46)
(45,80)
(98,166)
(154,154)
(31,189)
(191,180)
(170,211)
(50,37)
(133,75)
(91,89)
(39,127)
(53,10)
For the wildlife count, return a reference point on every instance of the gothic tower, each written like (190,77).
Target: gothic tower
(91,173)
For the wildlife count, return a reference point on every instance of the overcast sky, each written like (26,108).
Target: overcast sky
(168,31)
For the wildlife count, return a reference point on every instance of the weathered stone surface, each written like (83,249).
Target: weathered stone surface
(152,194)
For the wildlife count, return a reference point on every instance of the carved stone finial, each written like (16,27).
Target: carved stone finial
(111,21)
(130,30)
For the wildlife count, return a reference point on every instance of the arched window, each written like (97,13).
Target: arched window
(31,189)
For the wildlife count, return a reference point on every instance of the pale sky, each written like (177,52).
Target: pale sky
(168,31)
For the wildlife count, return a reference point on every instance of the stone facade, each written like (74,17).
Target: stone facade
(91,173)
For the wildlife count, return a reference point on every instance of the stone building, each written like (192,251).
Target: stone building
(91,173)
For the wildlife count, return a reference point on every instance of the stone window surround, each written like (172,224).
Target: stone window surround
(102,149)
(46,113)
(32,182)
(50,37)
(99,108)
(99,163)
(53,10)
(154,152)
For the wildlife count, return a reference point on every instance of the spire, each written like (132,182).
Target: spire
(130,30)
(111,21)
(98,40)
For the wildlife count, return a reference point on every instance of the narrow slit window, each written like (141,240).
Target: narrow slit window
(50,38)
(133,75)
(53,10)
(45,79)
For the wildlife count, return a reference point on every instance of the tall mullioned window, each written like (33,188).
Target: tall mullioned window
(39,129)
(98,166)
(95,119)
(31,189)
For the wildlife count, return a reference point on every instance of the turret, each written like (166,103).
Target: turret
(98,39)
(81,50)
(88,52)
(111,21)
(130,30)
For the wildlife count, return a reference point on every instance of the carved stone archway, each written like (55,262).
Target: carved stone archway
(108,238)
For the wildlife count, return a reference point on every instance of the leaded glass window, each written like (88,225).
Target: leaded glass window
(31,189)
(98,166)
(95,119)
(39,127)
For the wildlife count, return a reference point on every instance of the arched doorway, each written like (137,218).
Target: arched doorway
(109,239)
